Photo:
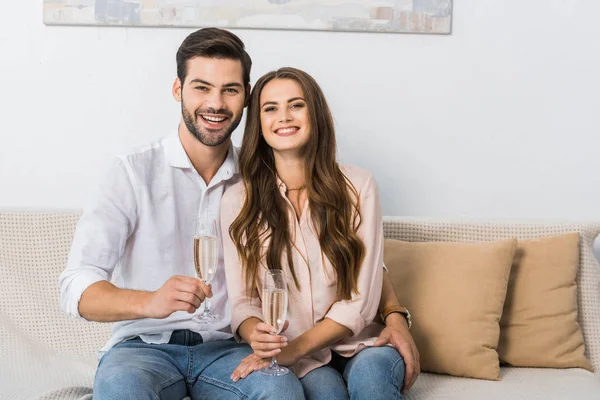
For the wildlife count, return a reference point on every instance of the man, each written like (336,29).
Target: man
(143,220)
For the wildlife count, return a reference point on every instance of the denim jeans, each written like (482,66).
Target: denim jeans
(185,367)
(374,373)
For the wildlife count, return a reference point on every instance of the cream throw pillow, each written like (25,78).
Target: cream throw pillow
(539,325)
(455,292)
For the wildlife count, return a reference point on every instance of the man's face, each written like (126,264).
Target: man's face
(212,98)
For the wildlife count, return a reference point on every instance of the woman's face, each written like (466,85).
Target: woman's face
(284,117)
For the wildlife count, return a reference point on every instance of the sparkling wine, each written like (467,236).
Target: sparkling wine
(274,307)
(206,251)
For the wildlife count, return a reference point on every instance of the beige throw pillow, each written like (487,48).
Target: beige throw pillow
(539,325)
(455,292)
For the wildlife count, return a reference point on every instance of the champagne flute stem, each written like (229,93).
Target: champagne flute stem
(207,305)
(273,363)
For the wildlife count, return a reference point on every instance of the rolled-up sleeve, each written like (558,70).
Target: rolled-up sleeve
(244,303)
(361,309)
(100,236)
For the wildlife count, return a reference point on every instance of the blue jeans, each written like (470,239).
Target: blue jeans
(374,373)
(185,367)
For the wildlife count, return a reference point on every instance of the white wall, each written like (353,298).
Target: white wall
(499,119)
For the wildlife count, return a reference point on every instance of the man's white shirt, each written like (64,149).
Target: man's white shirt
(138,230)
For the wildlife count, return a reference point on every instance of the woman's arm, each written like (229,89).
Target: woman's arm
(360,310)
(322,335)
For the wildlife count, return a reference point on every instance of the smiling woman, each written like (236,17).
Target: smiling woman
(284,116)
(298,211)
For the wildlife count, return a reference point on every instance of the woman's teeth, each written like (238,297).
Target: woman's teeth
(286,130)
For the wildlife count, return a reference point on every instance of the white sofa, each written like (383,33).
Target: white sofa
(46,355)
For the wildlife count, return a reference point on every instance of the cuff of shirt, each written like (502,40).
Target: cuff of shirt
(347,315)
(76,287)
(239,315)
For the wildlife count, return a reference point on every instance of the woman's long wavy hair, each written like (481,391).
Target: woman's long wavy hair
(333,200)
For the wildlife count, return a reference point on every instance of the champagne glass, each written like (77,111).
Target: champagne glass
(206,257)
(274,309)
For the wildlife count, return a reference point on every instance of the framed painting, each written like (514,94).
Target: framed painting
(403,16)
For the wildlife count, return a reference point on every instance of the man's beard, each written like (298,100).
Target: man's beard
(208,137)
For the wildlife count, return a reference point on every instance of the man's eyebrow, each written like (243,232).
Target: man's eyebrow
(202,82)
(289,101)
(227,85)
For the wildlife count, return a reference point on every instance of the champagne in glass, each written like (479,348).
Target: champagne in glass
(206,253)
(274,308)
(206,261)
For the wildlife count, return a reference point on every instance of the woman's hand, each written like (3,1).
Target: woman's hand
(264,343)
(249,365)
(287,357)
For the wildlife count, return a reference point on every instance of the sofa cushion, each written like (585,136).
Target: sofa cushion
(516,384)
(539,325)
(456,293)
(588,277)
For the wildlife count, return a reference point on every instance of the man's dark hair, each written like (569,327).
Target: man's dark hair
(213,43)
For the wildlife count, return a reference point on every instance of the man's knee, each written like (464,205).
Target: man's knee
(124,373)
(115,382)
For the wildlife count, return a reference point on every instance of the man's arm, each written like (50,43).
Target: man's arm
(397,334)
(104,302)
(389,298)
(98,245)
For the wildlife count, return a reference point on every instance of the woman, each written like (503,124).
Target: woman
(297,210)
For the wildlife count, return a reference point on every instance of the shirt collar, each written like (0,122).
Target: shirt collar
(281,185)
(175,152)
(178,158)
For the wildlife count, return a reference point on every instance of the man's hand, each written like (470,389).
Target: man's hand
(179,293)
(396,333)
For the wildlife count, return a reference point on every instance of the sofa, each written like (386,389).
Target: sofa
(44,354)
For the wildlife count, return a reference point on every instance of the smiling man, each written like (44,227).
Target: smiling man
(140,226)
(139,229)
